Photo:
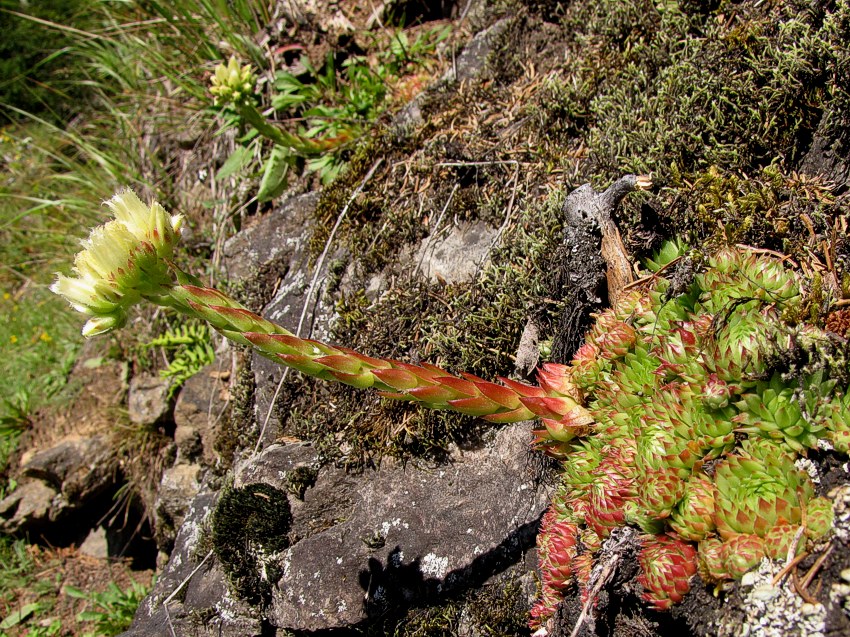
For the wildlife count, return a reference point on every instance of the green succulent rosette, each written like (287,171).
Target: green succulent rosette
(741,553)
(776,411)
(757,488)
(737,278)
(693,518)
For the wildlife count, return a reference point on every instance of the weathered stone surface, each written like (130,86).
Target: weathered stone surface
(29,506)
(59,481)
(455,255)
(471,64)
(364,544)
(400,534)
(78,467)
(151,617)
(96,544)
(826,157)
(148,402)
(472,61)
(270,241)
(197,414)
(177,489)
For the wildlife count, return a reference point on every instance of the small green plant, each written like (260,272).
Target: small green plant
(191,350)
(111,612)
(330,106)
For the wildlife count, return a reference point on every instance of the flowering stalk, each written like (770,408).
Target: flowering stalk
(234,85)
(129,259)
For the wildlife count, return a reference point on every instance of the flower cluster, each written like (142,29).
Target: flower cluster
(121,262)
(693,436)
(232,84)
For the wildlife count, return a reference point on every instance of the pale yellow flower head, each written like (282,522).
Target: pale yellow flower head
(232,83)
(121,261)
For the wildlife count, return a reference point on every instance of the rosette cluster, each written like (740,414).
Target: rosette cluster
(694,435)
(122,261)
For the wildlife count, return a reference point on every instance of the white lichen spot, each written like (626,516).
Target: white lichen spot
(469,531)
(434,566)
(397,558)
(341,607)
(804,464)
(825,445)
(339,560)
(776,610)
(394,523)
(840,497)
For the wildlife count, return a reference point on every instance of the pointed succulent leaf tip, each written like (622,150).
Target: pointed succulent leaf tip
(121,261)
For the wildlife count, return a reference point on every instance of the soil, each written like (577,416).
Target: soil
(58,568)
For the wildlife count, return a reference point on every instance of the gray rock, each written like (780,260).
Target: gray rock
(362,544)
(826,157)
(148,401)
(400,534)
(270,241)
(456,255)
(473,60)
(29,506)
(78,467)
(96,544)
(197,414)
(471,64)
(152,617)
(179,486)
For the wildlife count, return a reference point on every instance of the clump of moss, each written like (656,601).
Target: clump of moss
(464,326)
(248,525)
(237,434)
(770,207)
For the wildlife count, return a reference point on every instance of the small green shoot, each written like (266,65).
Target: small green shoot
(112,610)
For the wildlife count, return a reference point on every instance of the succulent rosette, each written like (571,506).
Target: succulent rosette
(758,488)
(818,517)
(741,553)
(711,560)
(780,538)
(667,565)
(836,418)
(735,277)
(693,518)
(774,410)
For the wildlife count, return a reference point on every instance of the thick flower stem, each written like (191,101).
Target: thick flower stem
(507,401)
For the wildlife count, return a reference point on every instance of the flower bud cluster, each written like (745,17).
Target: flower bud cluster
(122,261)
(232,84)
